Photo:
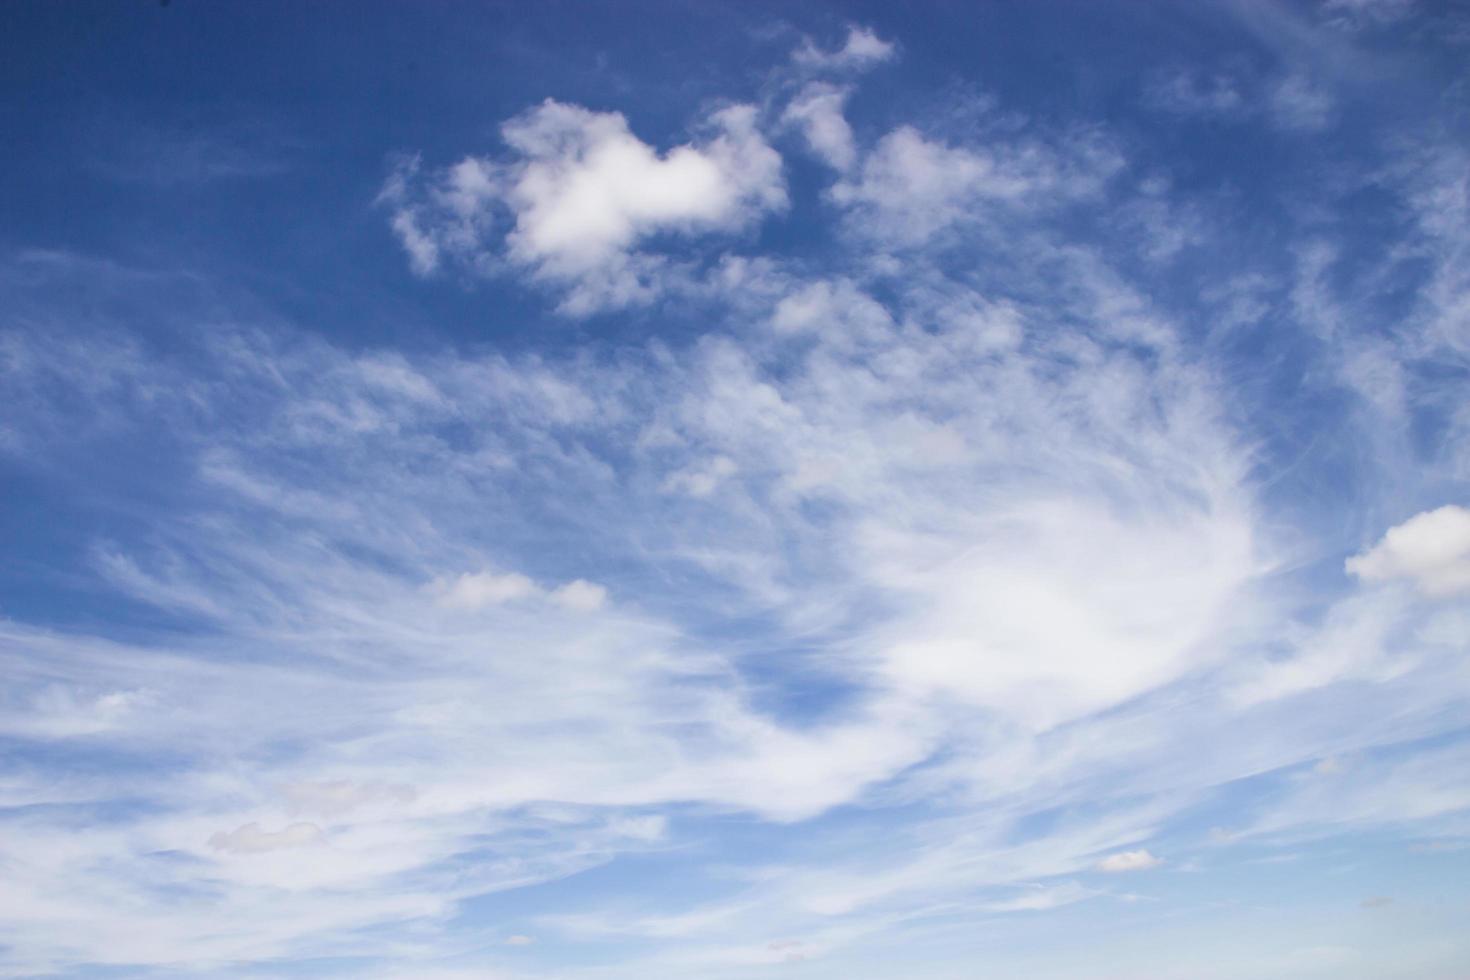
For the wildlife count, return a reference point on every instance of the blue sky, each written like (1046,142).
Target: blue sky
(731,489)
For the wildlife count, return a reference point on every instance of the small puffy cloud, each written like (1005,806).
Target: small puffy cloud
(587,187)
(817,112)
(862,49)
(518,940)
(1140,860)
(1431,549)
(1376,902)
(580,192)
(476,590)
(251,839)
(580,596)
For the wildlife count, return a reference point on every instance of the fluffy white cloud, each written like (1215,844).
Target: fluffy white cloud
(581,192)
(1431,549)
(587,187)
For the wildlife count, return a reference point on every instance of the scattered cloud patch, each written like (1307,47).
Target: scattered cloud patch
(580,595)
(476,590)
(1294,102)
(861,49)
(1140,860)
(961,528)
(911,187)
(1431,549)
(817,111)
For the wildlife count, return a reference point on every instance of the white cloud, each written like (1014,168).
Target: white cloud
(473,591)
(476,590)
(1432,549)
(587,187)
(581,192)
(910,187)
(1140,860)
(423,251)
(862,49)
(580,595)
(817,110)
(647,827)
(1012,513)
(60,711)
(836,309)
(1351,641)
(924,185)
